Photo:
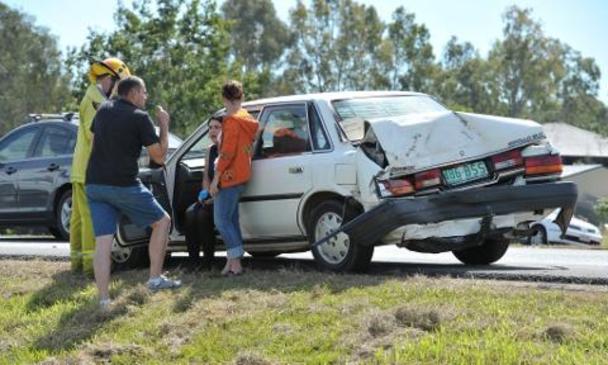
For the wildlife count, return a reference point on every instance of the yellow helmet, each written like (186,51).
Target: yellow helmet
(110,66)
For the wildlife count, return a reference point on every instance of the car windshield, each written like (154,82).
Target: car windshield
(386,106)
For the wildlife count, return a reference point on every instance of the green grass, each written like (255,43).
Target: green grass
(294,317)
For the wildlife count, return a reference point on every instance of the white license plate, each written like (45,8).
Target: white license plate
(466,173)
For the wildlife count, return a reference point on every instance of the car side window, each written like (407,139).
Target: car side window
(16,146)
(199,149)
(319,137)
(285,132)
(55,141)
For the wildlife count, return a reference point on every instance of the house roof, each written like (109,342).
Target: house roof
(574,141)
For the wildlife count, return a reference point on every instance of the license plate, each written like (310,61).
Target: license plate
(466,173)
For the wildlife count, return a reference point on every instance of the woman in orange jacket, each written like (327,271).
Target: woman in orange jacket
(232,172)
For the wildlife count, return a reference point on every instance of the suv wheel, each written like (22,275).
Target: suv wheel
(128,257)
(491,251)
(63,212)
(339,253)
(539,237)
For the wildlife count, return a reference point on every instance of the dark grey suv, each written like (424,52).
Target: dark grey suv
(35,164)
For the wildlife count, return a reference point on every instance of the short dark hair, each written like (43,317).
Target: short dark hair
(127,84)
(232,90)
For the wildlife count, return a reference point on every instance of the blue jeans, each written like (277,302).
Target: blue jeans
(226,217)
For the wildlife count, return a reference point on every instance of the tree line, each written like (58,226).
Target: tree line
(185,49)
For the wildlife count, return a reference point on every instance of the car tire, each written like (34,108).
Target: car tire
(63,211)
(124,258)
(491,251)
(539,236)
(340,254)
(264,254)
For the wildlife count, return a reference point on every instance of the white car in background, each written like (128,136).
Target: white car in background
(578,232)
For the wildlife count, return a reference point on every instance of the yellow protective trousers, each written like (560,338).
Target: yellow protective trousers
(82,236)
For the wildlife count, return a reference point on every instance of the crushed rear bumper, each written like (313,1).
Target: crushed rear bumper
(484,203)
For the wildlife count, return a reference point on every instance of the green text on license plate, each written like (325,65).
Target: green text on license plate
(465,173)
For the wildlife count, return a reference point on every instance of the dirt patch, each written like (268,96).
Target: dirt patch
(559,333)
(427,320)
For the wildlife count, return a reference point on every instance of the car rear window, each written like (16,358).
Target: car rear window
(386,106)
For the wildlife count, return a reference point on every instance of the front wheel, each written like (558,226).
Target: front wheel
(128,257)
(339,253)
(491,251)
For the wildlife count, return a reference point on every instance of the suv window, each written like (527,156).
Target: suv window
(55,141)
(17,145)
(285,131)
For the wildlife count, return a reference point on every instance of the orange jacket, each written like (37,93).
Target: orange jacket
(234,163)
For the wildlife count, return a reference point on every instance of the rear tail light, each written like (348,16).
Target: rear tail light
(507,160)
(543,165)
(427,179)
(399,187)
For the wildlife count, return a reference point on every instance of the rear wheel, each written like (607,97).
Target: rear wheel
(63,212)
(491,251)
(339,253)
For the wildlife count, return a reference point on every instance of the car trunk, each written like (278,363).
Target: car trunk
(421,141)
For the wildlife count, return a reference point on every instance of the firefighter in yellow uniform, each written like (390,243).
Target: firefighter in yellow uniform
(103,76)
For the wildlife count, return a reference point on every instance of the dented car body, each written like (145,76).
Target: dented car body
(341,173)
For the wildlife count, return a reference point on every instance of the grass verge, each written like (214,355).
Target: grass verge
(290,316)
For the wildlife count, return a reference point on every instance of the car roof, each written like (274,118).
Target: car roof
(329,96)
(69,117)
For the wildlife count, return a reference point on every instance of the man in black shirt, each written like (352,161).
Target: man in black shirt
(120,129)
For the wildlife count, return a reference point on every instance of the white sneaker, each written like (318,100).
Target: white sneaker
(162,282)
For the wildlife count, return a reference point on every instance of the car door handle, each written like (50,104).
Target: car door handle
(52,167)
(10,170)
(296,170)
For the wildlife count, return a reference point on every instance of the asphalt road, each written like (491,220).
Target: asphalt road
(559,265)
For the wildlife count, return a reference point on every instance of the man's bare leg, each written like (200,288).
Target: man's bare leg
(158,245)
(102,265)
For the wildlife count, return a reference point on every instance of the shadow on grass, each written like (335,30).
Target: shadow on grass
(65,286)
(82,322)
(77,326)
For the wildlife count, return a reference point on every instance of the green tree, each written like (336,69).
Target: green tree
(335,47)
(413,62)
(180,48)
(258,38)
(466,81)
(526,64)
(31,75)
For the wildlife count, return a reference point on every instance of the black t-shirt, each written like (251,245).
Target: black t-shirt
(213,153)
(120,131)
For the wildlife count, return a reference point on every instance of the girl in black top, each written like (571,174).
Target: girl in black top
(200,229)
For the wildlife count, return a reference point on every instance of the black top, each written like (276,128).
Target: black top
(120,130)
(213,153)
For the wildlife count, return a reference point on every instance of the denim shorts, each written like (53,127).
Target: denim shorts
(108,202)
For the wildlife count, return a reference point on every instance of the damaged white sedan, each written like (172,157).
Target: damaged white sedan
(341,173)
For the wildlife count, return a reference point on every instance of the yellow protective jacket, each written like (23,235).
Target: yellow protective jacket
(88,107)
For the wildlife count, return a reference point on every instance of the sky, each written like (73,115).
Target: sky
(582,24)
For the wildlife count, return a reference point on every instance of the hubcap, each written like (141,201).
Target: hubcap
(335,250)
(65,214)
(120,254)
